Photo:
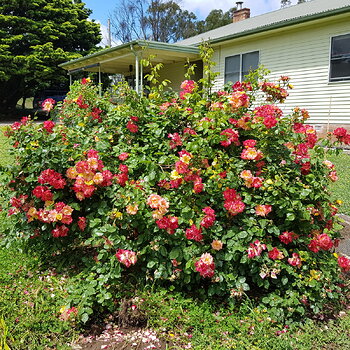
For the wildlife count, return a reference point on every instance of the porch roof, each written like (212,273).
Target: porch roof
(119,58)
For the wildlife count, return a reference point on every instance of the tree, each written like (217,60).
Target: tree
(168,22)
(215,19)
(157,20)
(285,3)
(129,20)
(36,36)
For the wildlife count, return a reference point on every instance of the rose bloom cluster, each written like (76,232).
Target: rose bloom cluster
(268,114)
(274,91)
(126,257)
(160,204)
(344,263)
(175,140)
(342,135)
(81,103)
(194,233)
(60,212)
(321,242)
(238,99)
(43,193)
(48,125)
(256,249)
(123,176)
(332,172)
(18,204)
(182,168)
(68,313)
(48,104)
(250,180)
(52,178)
(132,126)
(232,136)
(263,209)
(168,223)
(287,237)
(88,175)
(205,265)
(233,202)
(187,86)
(209,217)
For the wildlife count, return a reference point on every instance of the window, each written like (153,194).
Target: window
(236,67)
(340,58)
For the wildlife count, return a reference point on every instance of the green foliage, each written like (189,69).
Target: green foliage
(213,193)
(36,36)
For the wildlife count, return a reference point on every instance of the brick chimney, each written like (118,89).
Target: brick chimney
(241,13)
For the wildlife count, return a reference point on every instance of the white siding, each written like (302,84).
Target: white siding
(175,73)
(303,55)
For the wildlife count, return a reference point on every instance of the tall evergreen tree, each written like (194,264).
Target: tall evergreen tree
(35,36)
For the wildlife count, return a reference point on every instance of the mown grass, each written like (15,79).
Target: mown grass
(4,146)
(341,188)
(30,302)
(187,321)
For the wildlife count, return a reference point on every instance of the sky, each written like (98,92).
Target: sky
(103,9)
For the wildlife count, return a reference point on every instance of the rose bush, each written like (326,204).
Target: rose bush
(223,192)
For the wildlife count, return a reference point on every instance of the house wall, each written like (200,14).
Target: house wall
(175,73)
(303,54)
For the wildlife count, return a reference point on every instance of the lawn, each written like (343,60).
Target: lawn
(341,188)
(4,156)
(31,299)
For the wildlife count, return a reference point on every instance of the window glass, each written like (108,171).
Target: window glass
(232,68)
(341,45)
(340,69)
(250,61)
(340,58)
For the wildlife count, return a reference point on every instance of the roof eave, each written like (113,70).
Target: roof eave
(136,45)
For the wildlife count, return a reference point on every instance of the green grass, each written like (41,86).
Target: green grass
(341,188)
(30,302)
(184,320)
(4,146)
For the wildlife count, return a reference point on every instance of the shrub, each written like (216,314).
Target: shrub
(217,195)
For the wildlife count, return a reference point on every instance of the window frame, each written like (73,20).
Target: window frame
(344,79)
(240,64)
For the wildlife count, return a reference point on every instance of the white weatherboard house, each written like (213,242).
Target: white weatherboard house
(309,42)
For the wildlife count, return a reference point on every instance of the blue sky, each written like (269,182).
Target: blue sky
(102,9)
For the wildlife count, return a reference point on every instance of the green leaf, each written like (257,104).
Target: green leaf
(175,252)
(84,317)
